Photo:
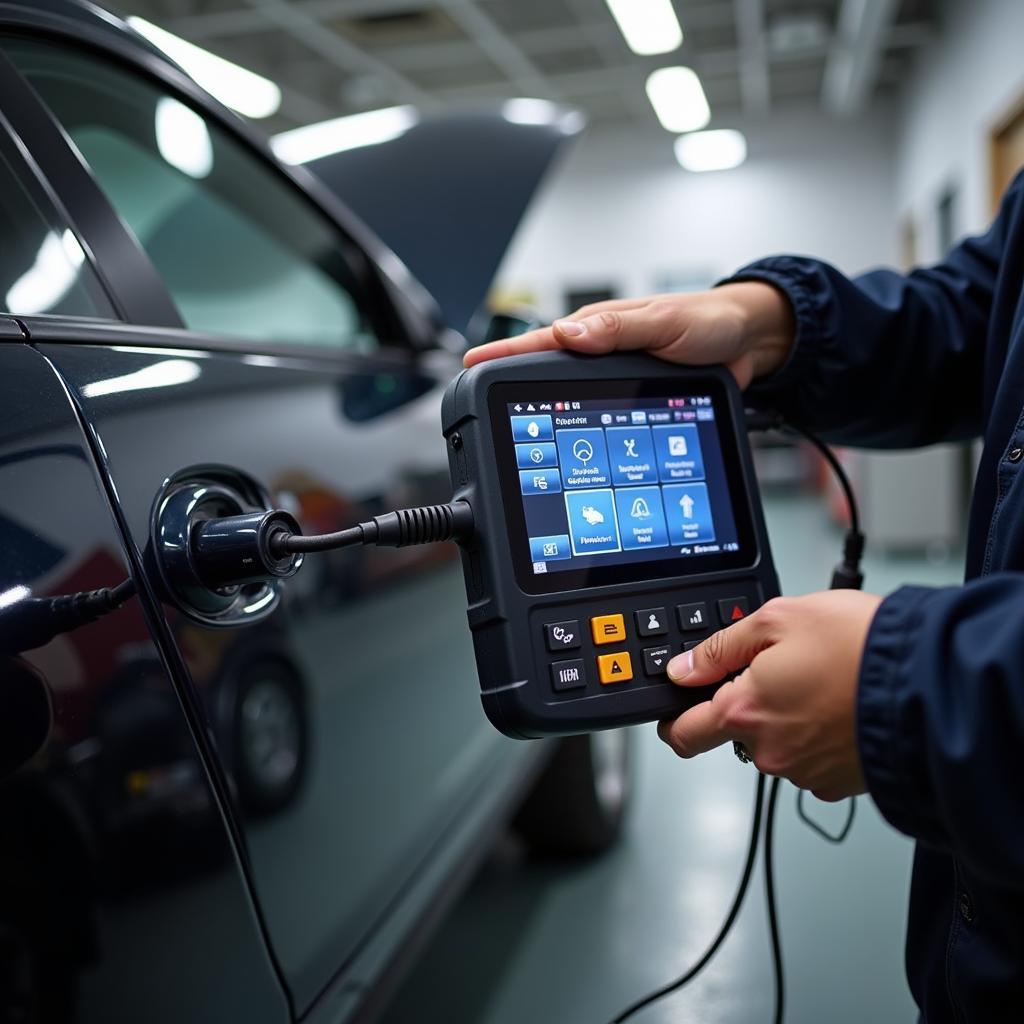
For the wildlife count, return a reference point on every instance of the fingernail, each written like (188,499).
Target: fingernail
(680,666)
(571,328)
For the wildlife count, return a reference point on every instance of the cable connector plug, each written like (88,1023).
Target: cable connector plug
(428,524)
(847,575)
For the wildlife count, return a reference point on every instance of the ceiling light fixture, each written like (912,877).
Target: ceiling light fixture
(648,26)
(312,141)
(678,99)
(718,150)
(523,110)
(236,87)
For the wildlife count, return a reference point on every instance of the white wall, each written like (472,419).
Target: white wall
(621,210)
(960,87)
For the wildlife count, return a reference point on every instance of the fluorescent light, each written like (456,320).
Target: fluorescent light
(717,150)
(47,281)
(527,111)
(531,111)
(158,375)
(236,87)
(182,138)
(649,26)
(678,99)
(312,141)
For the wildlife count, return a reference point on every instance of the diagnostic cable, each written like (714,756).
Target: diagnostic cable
(846,576)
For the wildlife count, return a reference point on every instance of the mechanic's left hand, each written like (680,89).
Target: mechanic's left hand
(794,705)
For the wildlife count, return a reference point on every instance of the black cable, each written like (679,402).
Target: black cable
(31,622)
(837,468)
(830,837)
(283,544)
(737,902)
(769,899)
(428,524)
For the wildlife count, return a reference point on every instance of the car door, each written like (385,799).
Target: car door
(119,875)
(343,709)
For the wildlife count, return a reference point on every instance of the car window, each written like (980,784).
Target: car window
(42,265)
(241,252)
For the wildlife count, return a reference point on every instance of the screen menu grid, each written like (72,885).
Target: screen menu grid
(614,479)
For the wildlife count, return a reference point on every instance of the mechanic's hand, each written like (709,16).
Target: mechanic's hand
(748,325)
(794,705)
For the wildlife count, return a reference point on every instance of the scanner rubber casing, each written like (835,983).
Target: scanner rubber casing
(509,646)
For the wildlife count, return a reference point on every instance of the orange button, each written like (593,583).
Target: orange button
(608,629)
(614,668)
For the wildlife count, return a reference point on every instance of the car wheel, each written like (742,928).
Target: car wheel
(579,803)
(270,738)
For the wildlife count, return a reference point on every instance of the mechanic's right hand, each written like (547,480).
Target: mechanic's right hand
(748,326)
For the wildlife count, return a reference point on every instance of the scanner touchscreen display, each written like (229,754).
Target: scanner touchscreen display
(620,484)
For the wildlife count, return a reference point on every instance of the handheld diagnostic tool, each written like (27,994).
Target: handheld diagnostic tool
(618,523)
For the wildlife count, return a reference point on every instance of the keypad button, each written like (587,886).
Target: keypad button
(692,617)
(656,660)
(690,644)
(568,675)
(732,609)
(614,668)
(563,636)
(652,622)
(608,629)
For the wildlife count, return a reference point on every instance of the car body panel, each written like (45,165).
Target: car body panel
(117,867)
(399,744)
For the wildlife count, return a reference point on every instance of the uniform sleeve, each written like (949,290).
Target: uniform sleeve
(891,360)
(941,720)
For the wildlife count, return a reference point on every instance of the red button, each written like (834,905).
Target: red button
(732,609)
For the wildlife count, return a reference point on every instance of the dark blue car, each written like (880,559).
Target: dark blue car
(245,804)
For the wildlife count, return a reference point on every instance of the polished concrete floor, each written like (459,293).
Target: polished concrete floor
(534,943)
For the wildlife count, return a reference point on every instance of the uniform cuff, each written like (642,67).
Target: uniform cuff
(789,275)
(888,749)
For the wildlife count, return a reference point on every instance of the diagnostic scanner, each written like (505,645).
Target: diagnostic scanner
(617,524)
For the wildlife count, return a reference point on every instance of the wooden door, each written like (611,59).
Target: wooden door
(1007,150)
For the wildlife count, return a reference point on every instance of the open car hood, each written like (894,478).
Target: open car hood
(448,195)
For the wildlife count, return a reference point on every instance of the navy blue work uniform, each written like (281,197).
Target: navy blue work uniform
(892,360)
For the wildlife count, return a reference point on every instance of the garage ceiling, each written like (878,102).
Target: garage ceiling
(334,57)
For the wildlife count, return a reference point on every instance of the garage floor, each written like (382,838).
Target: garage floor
(547,944)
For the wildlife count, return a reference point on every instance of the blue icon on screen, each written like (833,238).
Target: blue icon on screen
(539,481)
(641,519)
(532,428)
(592,525)
(536,456)
(631,454)
(688,513)
(584,458)
(679,454)
(550,549)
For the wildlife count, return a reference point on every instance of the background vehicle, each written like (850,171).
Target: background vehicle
(251,817)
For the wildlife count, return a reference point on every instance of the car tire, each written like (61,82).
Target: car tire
(271,740)
(578,805)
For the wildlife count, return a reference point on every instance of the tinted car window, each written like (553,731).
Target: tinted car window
(42,265)
(240,251)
